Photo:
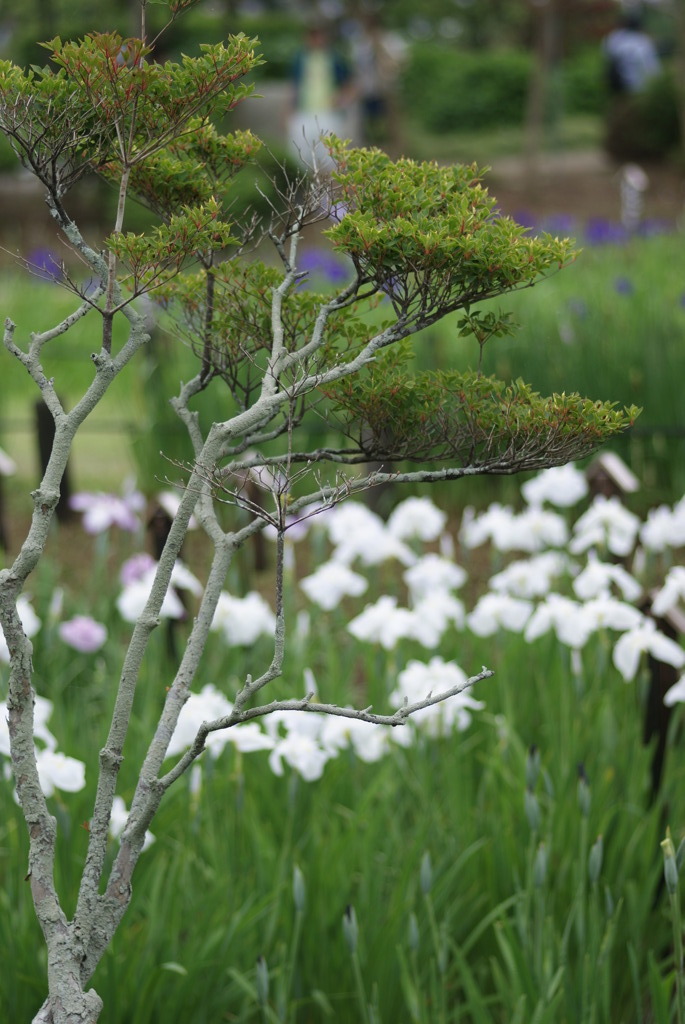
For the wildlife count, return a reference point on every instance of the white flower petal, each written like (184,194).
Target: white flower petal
(433,573)
(560,485)
(183,578)
(330,583)
(57,771)
(242,620)
(496,611)
(8,466)
(626,655)
(416,518)
(676,694)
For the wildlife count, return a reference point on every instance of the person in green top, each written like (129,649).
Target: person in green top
(323,97)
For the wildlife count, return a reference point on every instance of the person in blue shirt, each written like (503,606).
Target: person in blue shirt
(632,63)
(631,55)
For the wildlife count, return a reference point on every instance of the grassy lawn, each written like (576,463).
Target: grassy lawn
(484,148)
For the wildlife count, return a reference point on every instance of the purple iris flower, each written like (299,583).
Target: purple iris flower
(101,511)
(623,286)
(136,568)
(577,307)
(525,218)
(560,224)
(44,264)
(323,263)
(600,231)
(83,634)
(652,226)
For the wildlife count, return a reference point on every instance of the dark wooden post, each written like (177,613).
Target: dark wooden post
(4,536)
(45,429)
(609,475)
(662,678)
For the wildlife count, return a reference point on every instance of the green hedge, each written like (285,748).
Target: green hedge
(647,126)
(280,37)
(280,34)
(584,83)
(452,90)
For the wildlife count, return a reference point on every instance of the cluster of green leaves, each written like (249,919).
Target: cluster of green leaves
(151,101)
(426,237)
(191,170)
(430,237)
(227,318)
(46,124)
(468,419)
(107,104)
(485,325)
(609,326)
(153,257)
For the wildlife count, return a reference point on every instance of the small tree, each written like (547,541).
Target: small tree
(422,241)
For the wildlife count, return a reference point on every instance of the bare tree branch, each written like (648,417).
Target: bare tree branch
(308,704)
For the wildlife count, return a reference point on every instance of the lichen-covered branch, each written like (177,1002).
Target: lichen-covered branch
(311,706)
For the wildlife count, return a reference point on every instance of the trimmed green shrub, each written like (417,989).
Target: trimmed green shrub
(279,34)
(646,126)
(584,83)
(451,90)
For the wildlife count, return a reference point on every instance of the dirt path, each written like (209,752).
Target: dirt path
(584,184)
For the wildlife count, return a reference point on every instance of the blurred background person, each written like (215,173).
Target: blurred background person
(631,63)
(378,56)
(631,55)
(323,98)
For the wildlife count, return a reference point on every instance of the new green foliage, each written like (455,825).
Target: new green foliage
(468,420)
(429,237)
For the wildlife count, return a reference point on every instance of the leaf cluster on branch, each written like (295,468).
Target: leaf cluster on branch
(108,104)
(465,419)
(430,237)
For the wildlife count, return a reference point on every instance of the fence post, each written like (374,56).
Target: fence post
(45,429)
(4,536)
